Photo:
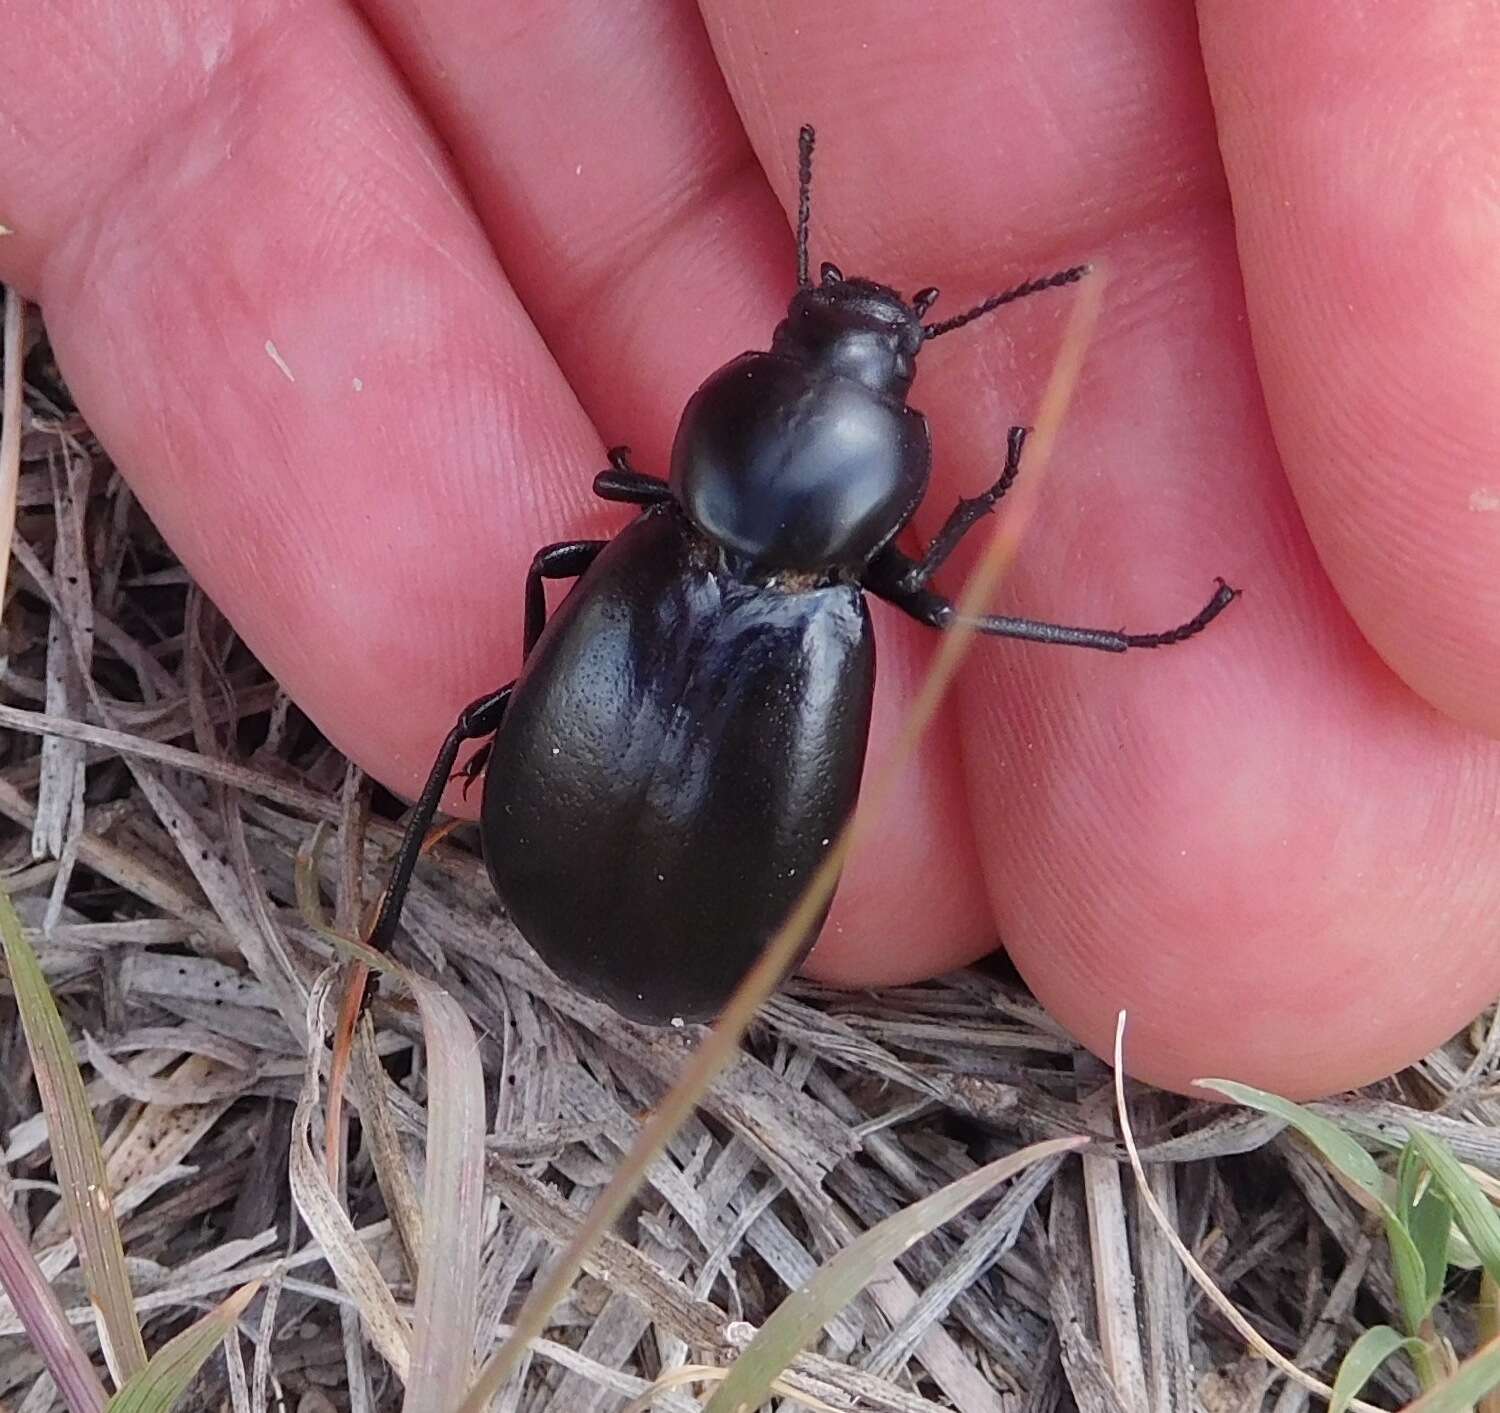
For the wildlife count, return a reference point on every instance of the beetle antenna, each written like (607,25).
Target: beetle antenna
(804,201)
(1062,277)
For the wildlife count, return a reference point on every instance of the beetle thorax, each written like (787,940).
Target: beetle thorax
(807,457)
(853,328)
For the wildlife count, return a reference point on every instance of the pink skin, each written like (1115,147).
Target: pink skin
(486,248)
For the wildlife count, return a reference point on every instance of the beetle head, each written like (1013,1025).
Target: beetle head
(853,328)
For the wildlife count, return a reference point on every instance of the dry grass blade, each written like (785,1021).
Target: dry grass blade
(45,1324)
(799,1317)
(448,1276)
(707,1373)
(762,979)
(319,1205)
(1221,1302)
(1487,1326)
(76,1153)
(158,1387)
(1116,1297)
(222,772)
(70,651)
(10,430)
(448,1270)
(392,1172)
(351,1002)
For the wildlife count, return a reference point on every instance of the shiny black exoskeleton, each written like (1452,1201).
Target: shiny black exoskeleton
(688,732)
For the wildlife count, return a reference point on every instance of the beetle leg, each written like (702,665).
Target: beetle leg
(566,560)
(968,513)
(890,571)
(622,482)
(479,718)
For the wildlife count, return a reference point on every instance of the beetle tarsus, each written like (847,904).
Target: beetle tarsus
(1223,597)
(968,513)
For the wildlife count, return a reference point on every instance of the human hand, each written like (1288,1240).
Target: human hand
(358,372)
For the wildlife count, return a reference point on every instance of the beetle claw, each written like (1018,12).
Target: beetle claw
(473,768)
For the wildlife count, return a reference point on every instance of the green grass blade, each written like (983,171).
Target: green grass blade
(157,1387)
(1365,1356)
(1431,1228)
(804,1312)
(1472,1210)
(1428,1216)
(1410,1271)
(1474,1378)
(1411,1180)
(76,1154)
(1336,1146)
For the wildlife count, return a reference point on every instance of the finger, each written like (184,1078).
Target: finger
(617,187)
(1197,835)
(1363,149)
(279,315)
(1259,844)
(616,183)
(1053,128)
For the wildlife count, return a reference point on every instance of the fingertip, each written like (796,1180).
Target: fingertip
(1360,146)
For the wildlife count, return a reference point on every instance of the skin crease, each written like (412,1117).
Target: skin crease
(485,250)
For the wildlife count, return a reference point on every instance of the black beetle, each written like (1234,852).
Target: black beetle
(688,731)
